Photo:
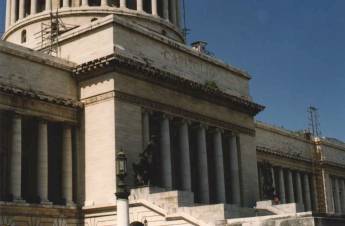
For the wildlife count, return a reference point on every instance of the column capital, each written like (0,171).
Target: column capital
(182,121)
(216,130)
(16,115)
(147,111)
(166,116)
(230,134)
(200,125)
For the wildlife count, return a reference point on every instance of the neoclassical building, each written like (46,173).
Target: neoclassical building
(81,80)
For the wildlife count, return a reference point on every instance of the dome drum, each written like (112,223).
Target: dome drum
(21,14)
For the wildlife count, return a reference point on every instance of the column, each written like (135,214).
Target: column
(122,212)
(8,14)
(282,186)
(13,11)
(342,186)
(273,179)
(146,128)
(42,161)
(48,5)
(306,192)
(154,8)
(140,5)
(234,172)
(299,188)
(104,3)
(165,153)
(219,164)
(337,203)
(16,158)
(290,187)
(67,177)
(84,3)
(123,4)
(178,13)
(33,9)
(185,156)
(173,11)
(313,192)
(65,3)
(166,9)
(21,9)
(203,186)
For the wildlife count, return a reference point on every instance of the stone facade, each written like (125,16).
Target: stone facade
(124,80)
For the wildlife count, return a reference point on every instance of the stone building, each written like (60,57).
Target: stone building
(123,78)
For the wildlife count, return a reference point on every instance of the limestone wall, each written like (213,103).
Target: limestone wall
(99,143)
(21,68)
(282,141)
(179,60)
(333,153)
(169,97)
(131,40)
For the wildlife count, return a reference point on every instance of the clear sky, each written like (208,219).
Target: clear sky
(294,50)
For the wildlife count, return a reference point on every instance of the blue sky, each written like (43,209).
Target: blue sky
(294,51)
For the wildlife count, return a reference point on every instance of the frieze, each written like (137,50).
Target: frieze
(323,164)
(98,98)
(171,110)
(280,154)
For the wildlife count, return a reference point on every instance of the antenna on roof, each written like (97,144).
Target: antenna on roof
(185,30)
(314,123)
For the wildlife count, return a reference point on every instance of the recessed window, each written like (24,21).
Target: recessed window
(94,2)
(131,4)
(23,36)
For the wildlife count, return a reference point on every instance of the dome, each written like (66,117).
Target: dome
(25,18)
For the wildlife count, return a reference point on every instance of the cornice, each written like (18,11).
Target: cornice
(144,71)
(40,96)
(281,131)
(281,154)
(277,153)
(34,56)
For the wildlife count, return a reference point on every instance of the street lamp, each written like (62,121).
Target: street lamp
(122,192)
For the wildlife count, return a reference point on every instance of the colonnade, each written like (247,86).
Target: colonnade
(167,9)
(193,157)
(16,161)
(292,186)
(338,188)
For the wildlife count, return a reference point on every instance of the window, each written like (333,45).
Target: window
(23,36)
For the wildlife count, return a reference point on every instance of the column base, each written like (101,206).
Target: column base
(19,200)
(70,204)
(46,203)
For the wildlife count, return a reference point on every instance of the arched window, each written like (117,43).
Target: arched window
(160,8)
(114,3)
(27,7)
(23,36)
(147,6)
(41,5)
(136,223)
(94,2)
(132,4)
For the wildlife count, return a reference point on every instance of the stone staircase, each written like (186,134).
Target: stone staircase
(180,204)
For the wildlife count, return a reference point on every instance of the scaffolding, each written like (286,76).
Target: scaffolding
(318,179)
(48,36)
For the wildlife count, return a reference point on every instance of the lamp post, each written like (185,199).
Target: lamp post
(122,192)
